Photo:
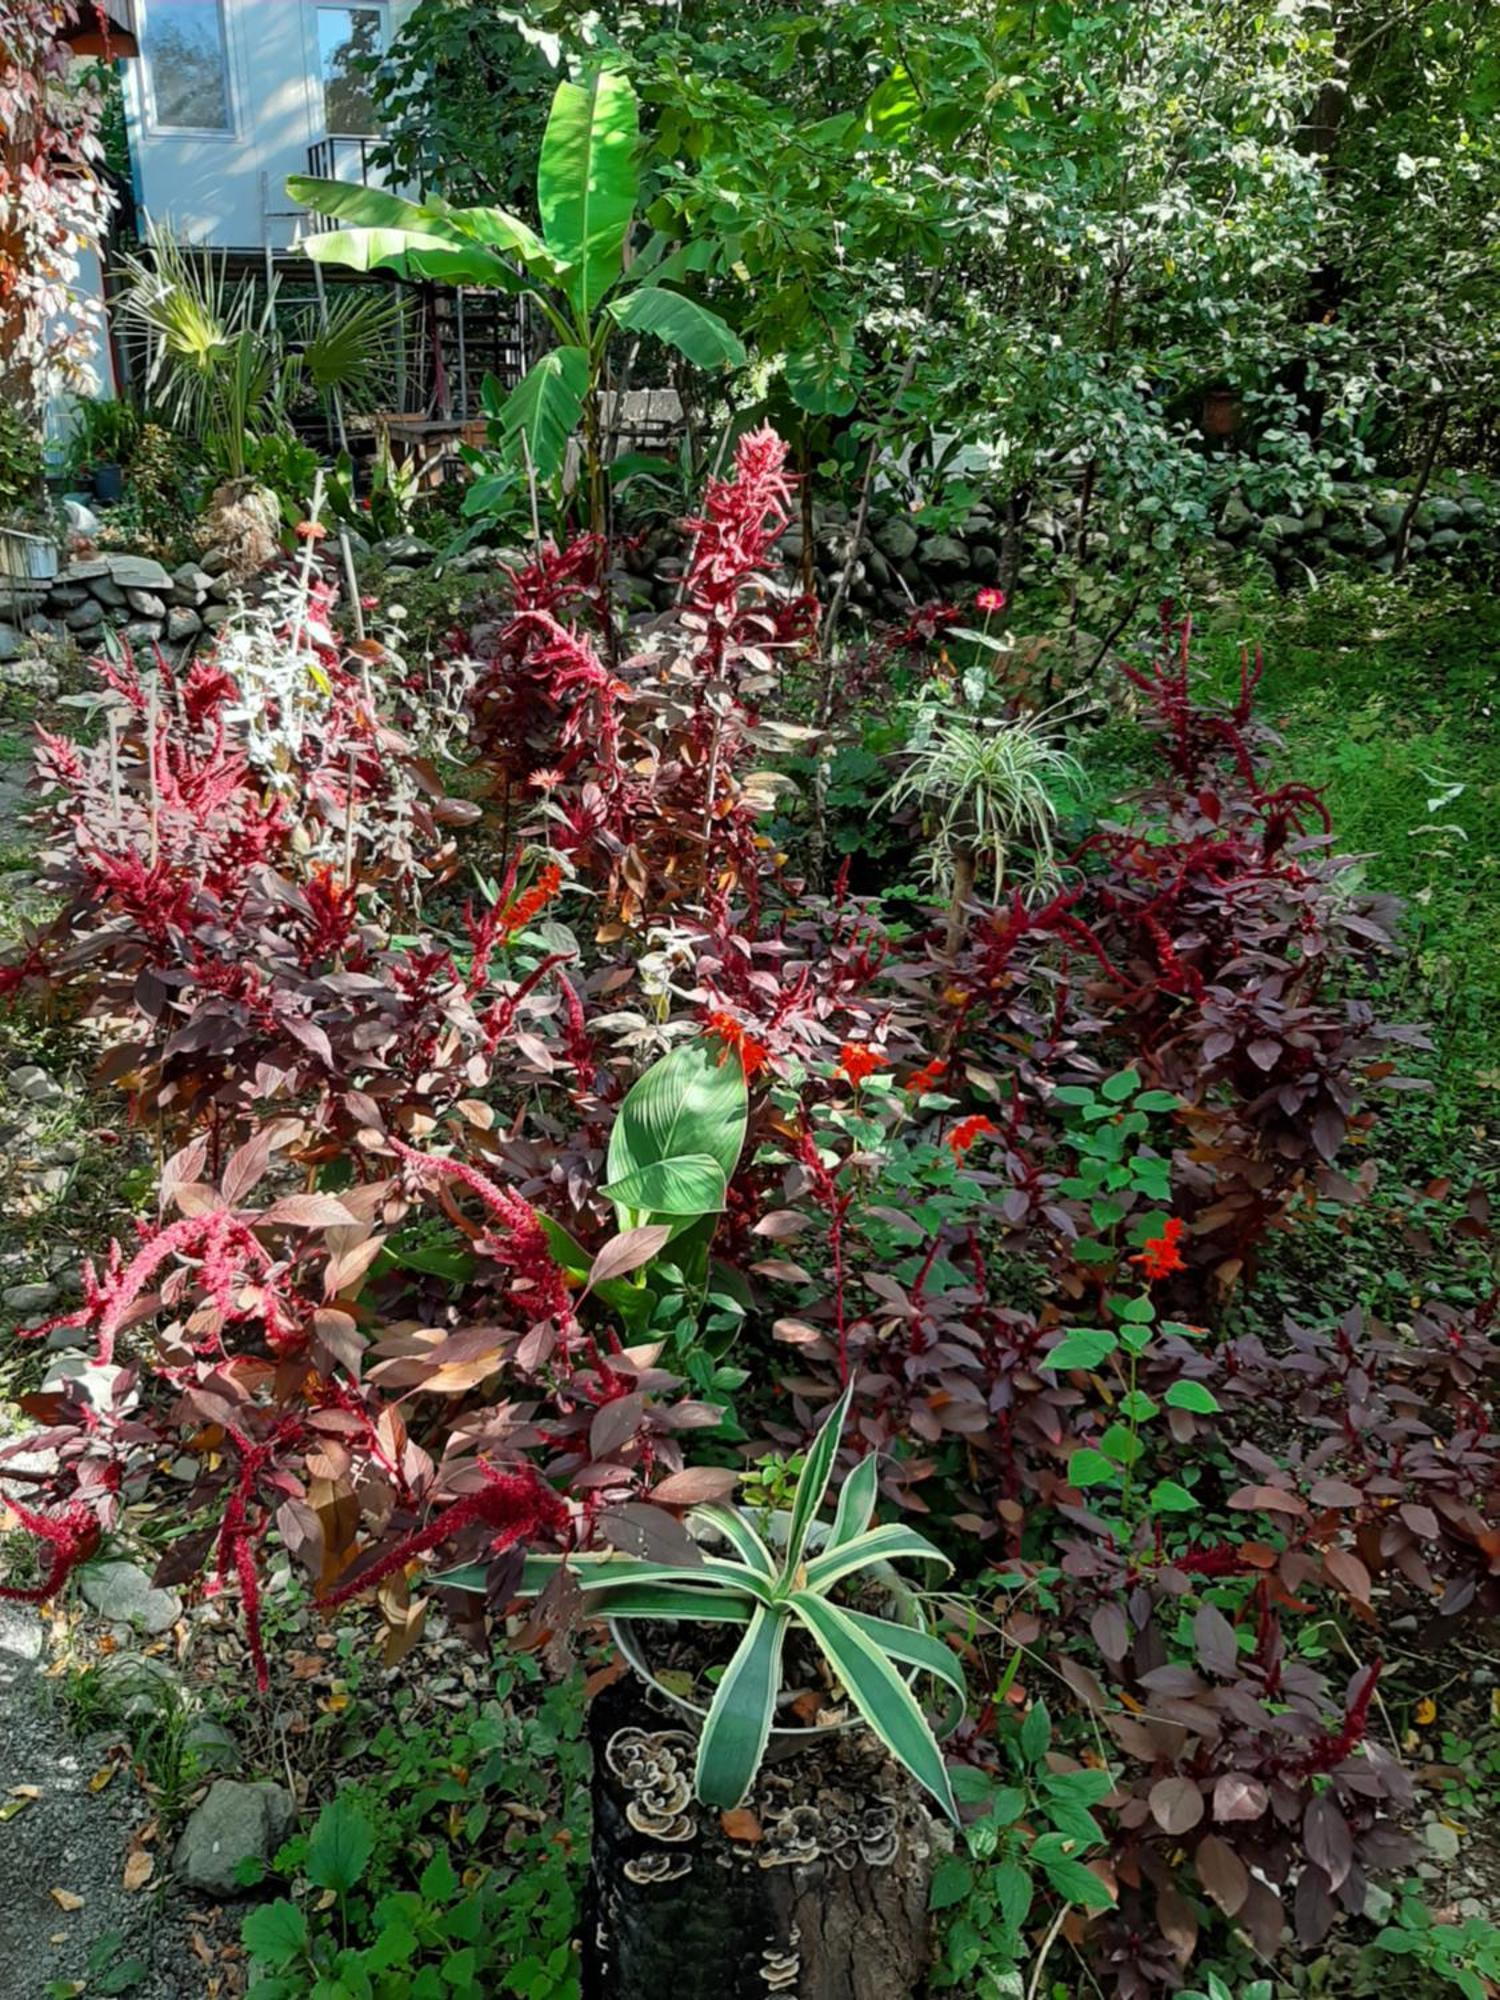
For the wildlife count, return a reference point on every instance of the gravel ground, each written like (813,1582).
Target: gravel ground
(71,1840)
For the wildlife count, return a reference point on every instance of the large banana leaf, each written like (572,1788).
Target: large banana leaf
(544,409)
(378,213)
(412,255)
(739,1720)
(878,1692)
(706,340)
(587,182)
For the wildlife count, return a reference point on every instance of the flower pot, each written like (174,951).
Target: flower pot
(108,483)
(1221,413)
(26,558)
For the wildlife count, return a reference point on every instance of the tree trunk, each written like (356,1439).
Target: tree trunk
(822,1894)
(1424,473)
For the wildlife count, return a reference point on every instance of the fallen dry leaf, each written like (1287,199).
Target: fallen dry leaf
(11,1808)
(138,1869)
(739,1823)
(102,1777)
(26,1791)
(65,1899)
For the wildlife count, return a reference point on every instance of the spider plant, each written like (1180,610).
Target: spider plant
(984,789)
(768,1591)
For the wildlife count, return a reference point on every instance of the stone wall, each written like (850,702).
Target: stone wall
(132,595)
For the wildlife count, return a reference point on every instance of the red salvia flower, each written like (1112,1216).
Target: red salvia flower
(969,1130)
(858,1061)
(1159,1255)
(734,1035)
(926,1078)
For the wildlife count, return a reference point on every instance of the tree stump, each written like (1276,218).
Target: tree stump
(816,1888)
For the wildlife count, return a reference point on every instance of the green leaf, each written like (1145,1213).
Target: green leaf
(1081,1347)
(689,1184)
(952,1881)
(1121,1444)
(912,1647)
(856,1502)
(1088,1467)
(892,1543)
(688,1103)
(668,1601)
(438,1881)
(879,1693)
(1115,1089)
(1138,1405)
(813,1484)
(1077,1884)
(587,183)
(1167,1497)
(1036,1733)
(1010,1885)
(340,1847)
(824,380)
(410,254)
(747,1544)
(739,1720)
(1192,1396)
(1156,1100)
(614,1572)
(545,408)
(705,339)
(275,1934)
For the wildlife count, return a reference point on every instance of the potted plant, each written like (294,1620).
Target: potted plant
(105,436)
(802,1581)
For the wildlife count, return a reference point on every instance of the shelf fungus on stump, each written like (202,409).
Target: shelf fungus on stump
(816,1887)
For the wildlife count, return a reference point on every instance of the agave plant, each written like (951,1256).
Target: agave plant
(769,1591)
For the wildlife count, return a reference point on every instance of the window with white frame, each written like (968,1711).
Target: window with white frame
(346,36)
(187,66)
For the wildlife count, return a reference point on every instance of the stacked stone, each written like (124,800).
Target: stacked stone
(132,595)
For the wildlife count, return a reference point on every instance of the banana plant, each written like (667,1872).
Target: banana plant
(769,1591)
(578,272)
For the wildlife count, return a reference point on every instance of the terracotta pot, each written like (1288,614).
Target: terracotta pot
(1221,413)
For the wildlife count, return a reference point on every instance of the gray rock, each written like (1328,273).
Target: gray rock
(126,1596)
(28,1298)
(1387,515)
(139,573)
(10,643)
(43,628)
(141,631)
(1475,508)
(1350,535)
(1443,541)
(405,549)
(1445,513)
(86,618)
(1283,528)
(944,554)
(984,561)
(108,592)
(1372,537)
(213,562)
(235,1823)
(84,572)
(147,603)
(211,1743)
(68,596)
(33,1083)
(896,538)
(182,623)
(187,574)
(221,589)
(215,615)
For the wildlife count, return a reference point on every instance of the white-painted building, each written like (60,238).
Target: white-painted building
(231,96)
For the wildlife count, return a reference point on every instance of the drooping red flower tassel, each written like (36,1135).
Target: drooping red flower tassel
(517,1505)
(72,1536)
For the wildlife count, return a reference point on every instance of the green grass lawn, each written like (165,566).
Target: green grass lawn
(1386,699)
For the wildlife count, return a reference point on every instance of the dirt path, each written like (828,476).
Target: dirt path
(68,1839)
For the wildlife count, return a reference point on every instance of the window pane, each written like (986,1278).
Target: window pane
(189,71)
(345,33)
